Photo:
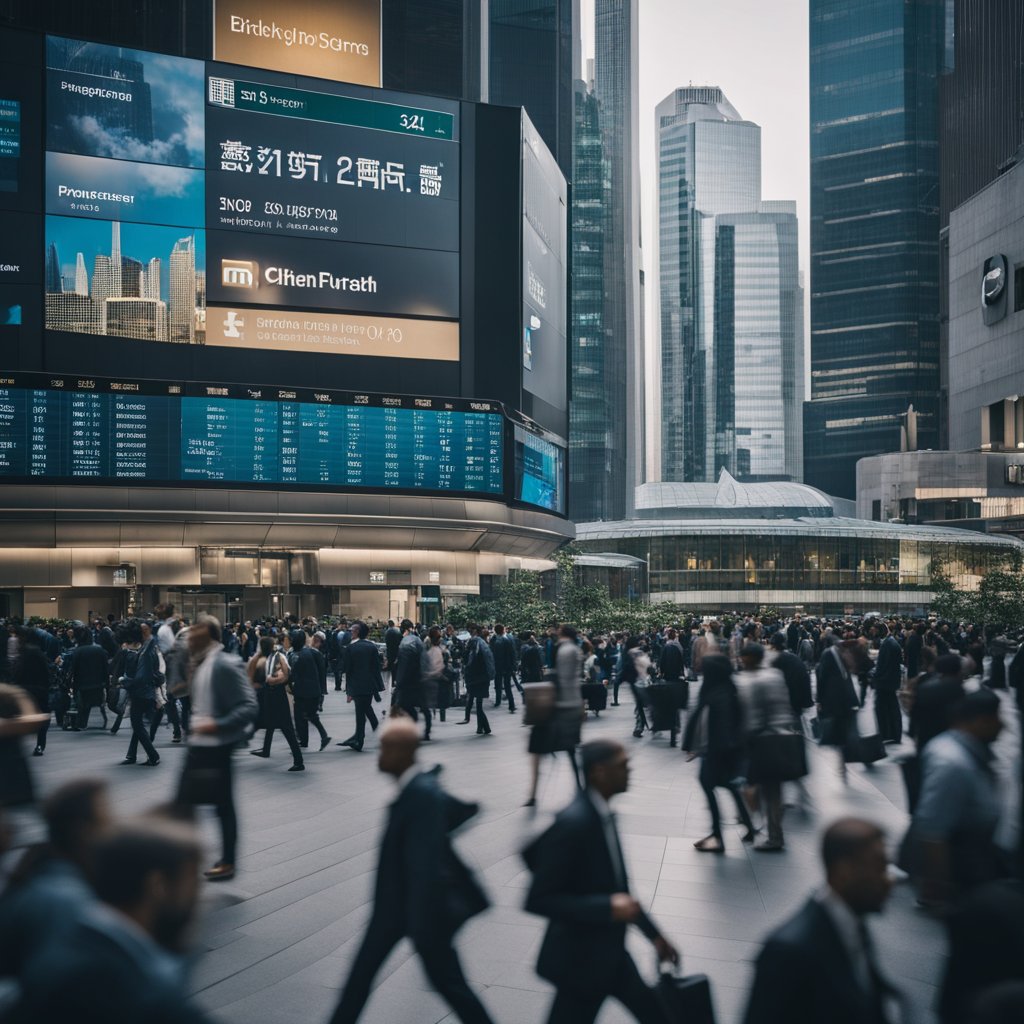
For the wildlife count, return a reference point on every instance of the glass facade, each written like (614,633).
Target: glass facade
(744,562)
(531,66)
(595,374)
(875,68)
(616,88)
(731,339)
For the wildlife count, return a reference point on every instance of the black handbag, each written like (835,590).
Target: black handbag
(777,757)
(687,1000)
(863,749)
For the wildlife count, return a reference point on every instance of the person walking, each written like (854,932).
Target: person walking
(364,682)
(423,890)
(837,699)
(88,675)
(409,676)
(715,732)
(308,677)
(672,666)
(479,671)
(821,965)
(560,730)
(142,686)
(32,674)
(504,649)
(580,884)
(766,711)
(268,672)
(886,680)
(223,708)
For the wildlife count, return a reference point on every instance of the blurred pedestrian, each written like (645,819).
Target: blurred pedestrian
(364,682)
(423,891)
(268,672)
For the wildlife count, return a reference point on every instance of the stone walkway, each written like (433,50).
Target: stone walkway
(276,943)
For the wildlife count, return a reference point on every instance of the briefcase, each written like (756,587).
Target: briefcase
(777,757)
(687,1000)
(538,702)
(863,749)
(661,699)
(595,695)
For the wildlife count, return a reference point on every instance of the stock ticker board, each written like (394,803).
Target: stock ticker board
(116,431)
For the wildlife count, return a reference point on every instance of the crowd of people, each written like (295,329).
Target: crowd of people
(766,690)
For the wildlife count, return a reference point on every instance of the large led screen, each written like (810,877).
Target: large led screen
(113,431)
(539,471)
(171,183)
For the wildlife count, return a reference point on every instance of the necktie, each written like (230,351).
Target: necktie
(618,862)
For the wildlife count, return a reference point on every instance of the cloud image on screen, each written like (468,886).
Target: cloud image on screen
(128,104)
(125,280)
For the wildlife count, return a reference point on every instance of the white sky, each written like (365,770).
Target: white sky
(756,50)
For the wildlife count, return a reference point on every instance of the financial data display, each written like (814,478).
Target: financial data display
(113,431)
(539,471)
(170,182)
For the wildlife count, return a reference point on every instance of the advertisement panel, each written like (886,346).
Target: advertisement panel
(295,331)
(335,39)
(539,471)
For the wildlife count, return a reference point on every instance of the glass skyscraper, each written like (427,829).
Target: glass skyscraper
(731,344)
(616,89)
(875,67)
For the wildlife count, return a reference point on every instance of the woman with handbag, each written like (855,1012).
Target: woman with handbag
(559,727)
(32,674)
(268,671)
(715,732)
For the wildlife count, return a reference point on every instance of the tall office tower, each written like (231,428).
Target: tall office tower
(54,282)
(592,412)
(69,311)
(201,289)
(181,319)
(616,88)
(981,128)
(131,278)
(132,317)
(81,275)
(875,68)
(531,66)
(731,341)
(153,269)
(115,260)
(102,279)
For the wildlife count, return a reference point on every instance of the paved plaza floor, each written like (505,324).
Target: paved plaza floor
(275,944)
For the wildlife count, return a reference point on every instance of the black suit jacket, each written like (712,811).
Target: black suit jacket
(798,680)
(89,669)
(573,881)
(362,669)
(836,694)
(888,673)
(306,674)
(804,976)
(672,664)
(423,889)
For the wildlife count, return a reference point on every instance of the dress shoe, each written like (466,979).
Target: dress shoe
(151,762)
(769,847)
(38,752)
(297,768)
(128,760)
(710,844)
(511,711)
(324,742)
(220,872)
(351,741)
(259,753)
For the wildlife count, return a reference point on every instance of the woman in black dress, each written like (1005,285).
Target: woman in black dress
(32,674)
(268,671)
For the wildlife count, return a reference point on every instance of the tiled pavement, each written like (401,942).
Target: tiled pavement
(277,941)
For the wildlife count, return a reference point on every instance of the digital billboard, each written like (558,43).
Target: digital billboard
(113,431)
(539,471)
(337,39)
(171,183)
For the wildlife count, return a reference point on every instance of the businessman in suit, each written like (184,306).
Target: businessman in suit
(363,681)
(423,890)
(821,964)
(887,679)
(580,884)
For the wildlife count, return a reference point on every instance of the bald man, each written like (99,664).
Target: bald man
(423,891)
(821,964)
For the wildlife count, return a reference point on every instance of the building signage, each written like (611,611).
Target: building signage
(335,39)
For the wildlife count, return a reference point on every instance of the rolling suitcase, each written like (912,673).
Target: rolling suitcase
(661,699)
(596,696)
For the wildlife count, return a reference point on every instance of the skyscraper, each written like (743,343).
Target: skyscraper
(181,320)
(81,275)
(531,66)
(731,340)
(54,282)
(153,279)
(616,88)
(592,411)
(875,68)
(116,268)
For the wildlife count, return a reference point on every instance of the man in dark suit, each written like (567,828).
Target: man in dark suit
(580,884)
(363,680)
(504,650)
(88,675)
(309,675)
(886,680)
(794,672)
(821,965)
(672,666)
(423,890)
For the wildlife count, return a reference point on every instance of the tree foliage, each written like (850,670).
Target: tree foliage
(998,602)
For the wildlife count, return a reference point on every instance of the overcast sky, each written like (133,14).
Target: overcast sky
(756,50)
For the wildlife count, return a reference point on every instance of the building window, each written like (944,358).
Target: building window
(1018,288)
(876,510)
